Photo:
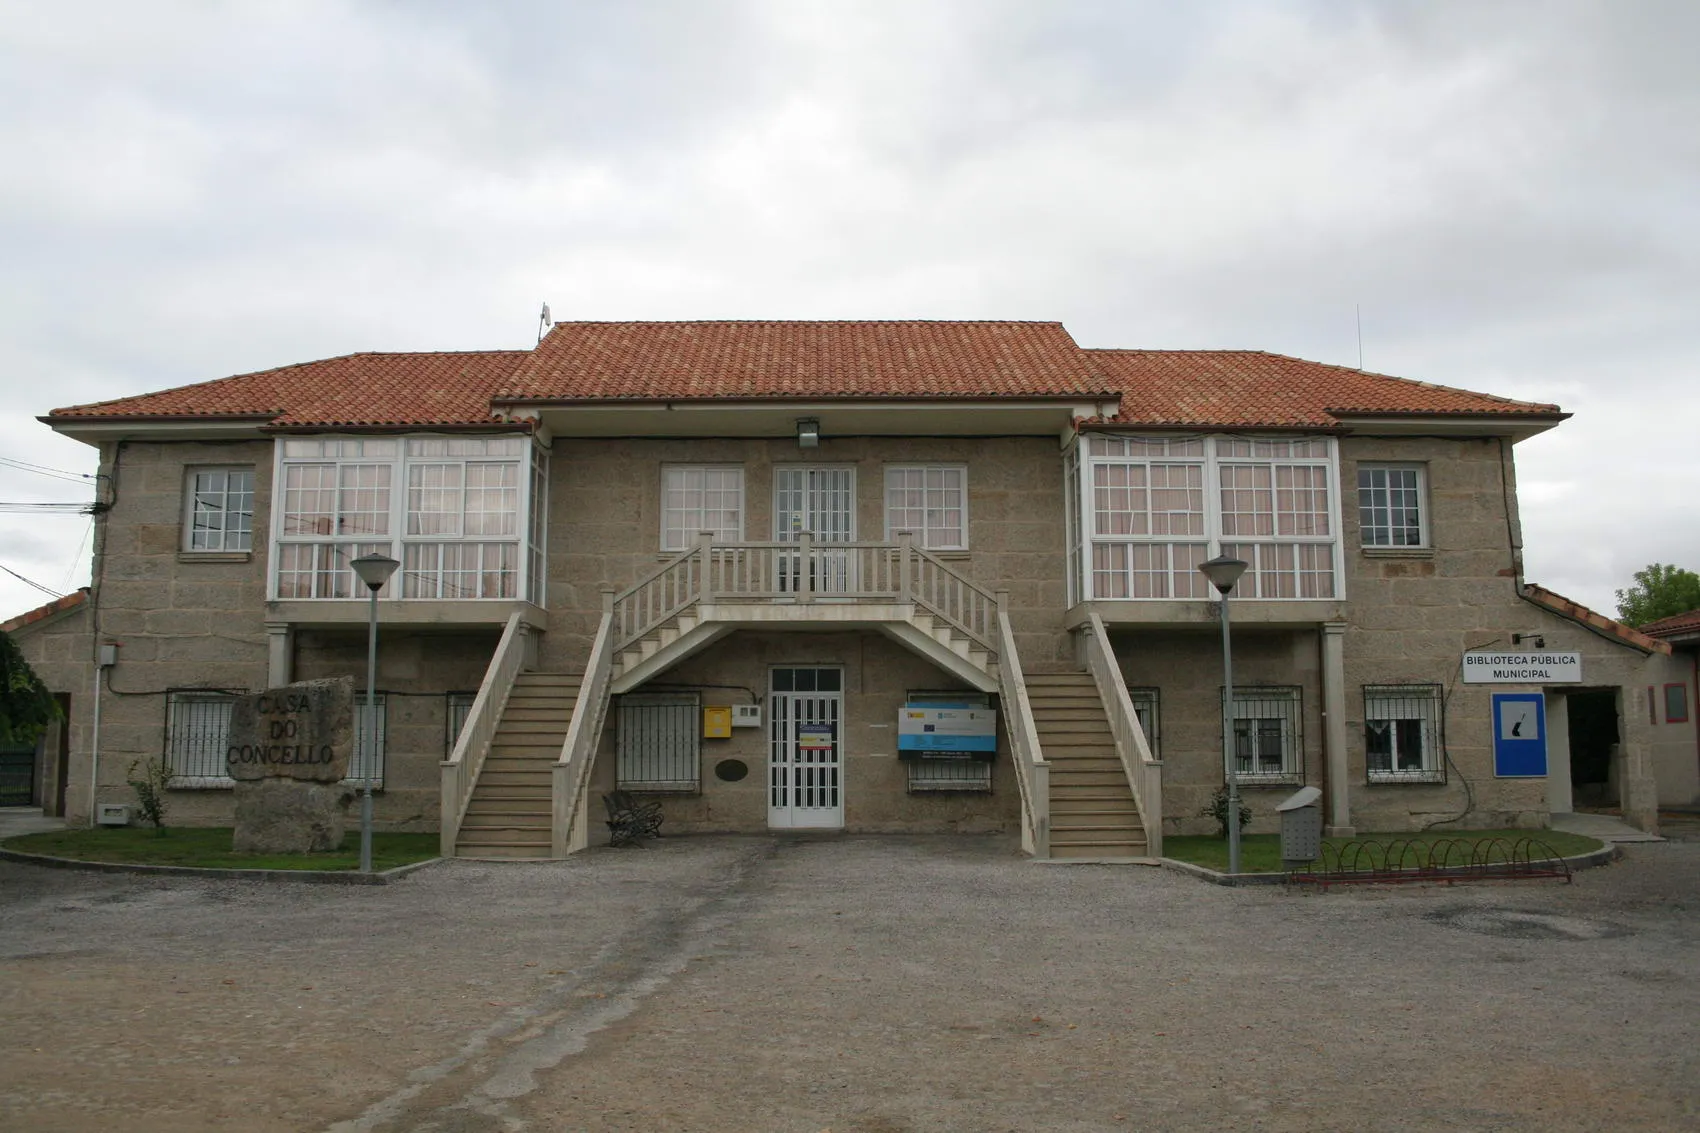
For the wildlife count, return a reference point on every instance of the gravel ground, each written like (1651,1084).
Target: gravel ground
(859,985)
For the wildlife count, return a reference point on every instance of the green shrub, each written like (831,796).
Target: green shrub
(1217,808)
(150,787)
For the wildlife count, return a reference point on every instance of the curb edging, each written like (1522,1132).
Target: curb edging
(226,873)
(1605,855)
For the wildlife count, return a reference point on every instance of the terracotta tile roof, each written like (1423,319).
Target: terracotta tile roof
(699,360)
(443,388)
(42,613)
(1253,389)
(782,360)
(1599,623)
(1675,626)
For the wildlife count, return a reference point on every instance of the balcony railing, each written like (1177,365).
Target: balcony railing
(805,572)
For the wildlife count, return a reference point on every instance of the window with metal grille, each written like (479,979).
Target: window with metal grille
(1267,741)
(458,708)
(219,510)
(1390,510)
(1402,734)
(368,760)
(1145,710)
(659,742)
(197,736)
(927,775)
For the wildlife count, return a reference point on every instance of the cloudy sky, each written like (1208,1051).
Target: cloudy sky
(1510,193)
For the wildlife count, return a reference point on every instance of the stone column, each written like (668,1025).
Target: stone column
(280,654)
(1334,729)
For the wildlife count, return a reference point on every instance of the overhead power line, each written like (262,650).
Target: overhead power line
(43,470)
(31,582)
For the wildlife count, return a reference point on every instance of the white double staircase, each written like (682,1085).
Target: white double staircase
(709,591)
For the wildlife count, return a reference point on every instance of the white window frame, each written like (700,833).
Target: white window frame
(689,530)
(516,555)
(228,540)
(1283,704)
(924,535)
(1420,473)
(1279,560)
(205,767)
(1420,704)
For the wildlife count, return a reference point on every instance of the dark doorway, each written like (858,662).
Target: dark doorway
(1593,743)
(17,774)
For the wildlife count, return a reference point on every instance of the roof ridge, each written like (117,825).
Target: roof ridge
(803,322)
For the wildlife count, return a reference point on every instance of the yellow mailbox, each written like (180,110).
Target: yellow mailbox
(717,723)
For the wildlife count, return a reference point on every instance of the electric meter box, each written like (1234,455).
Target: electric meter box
(746,715)
(716,722)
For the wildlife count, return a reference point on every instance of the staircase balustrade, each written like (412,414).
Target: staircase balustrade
(571,774)
(1032,771)
(460,769)
(1144,771)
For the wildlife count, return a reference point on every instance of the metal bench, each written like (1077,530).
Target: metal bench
(631,821)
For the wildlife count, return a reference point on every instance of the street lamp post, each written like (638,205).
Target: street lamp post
(374,570)
(1223,572)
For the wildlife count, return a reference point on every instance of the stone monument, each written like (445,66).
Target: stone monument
(289,751)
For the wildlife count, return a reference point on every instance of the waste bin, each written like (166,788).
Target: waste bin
(1301,828)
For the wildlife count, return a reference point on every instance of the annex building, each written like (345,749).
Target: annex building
(861,576)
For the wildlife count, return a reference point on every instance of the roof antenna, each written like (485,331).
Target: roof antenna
(1358,307)
(544,324)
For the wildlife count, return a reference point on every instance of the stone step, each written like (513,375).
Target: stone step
(1058,680)
(512,763)
(547,680)
(511,793)
(487,821)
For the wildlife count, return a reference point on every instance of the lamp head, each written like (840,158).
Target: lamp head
(374,569)
(808,432)
(1223,572)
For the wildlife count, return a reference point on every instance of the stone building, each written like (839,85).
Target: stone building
(871,576)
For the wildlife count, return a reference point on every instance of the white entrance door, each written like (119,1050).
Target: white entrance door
(822,503)
(805,779)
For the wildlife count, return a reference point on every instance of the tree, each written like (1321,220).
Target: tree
(26,707)
(1659,591)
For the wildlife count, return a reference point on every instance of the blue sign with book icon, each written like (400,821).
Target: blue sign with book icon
(1519,735)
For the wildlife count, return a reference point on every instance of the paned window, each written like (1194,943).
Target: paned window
(1390,509)
(1266,735)
(701,498)
(932,502)
(1156,507)
(219,515)
(454,522)
(1402,736)
(197,738)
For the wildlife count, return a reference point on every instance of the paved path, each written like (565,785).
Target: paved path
(860,985)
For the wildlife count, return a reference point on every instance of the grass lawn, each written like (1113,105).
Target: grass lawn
(209,848)
(1261,853)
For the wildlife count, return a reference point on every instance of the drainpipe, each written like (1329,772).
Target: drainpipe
(94,747)
(105,657)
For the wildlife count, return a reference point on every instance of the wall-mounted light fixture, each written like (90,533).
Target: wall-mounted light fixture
(1539,640)
(808,432)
